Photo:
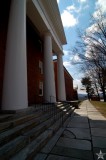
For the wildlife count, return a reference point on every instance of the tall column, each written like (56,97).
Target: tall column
(49,81)
(61,79)
(15,73)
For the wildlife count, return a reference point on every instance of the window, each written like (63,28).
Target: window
(40,88)
(41,67)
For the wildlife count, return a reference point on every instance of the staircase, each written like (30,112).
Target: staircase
(24,134)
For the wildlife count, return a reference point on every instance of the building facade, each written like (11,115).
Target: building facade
(31,32)
(69,86)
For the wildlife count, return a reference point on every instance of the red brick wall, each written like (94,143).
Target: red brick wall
(68,85)
(4,14)
(34,54)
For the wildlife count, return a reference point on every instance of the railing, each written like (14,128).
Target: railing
(60,114)
(52,109)
(52,98)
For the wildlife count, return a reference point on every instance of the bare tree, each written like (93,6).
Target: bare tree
(91,49)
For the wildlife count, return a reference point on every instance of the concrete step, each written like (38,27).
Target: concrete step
(51,143)
(30,150)
(12,147)
(12,133)
(28,138)
(17,121)
(32,121)
(33,148)
(34,132)
(42,154)
(12,115)
(5,117)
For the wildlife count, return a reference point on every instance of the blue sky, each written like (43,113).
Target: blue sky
(76,14)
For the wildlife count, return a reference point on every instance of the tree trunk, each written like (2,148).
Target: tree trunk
(104,94)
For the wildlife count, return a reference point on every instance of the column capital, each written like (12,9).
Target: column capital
(60,53)
(47,33)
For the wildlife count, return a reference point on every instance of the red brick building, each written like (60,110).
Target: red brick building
(31,32)
(34,65)
(68,85)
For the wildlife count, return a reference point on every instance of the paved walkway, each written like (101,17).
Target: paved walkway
(83,138)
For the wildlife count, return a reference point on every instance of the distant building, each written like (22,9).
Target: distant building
(31,32)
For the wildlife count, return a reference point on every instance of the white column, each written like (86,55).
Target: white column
(49,81)
(15,73)
(61,79)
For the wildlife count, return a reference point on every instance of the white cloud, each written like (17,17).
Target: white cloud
(82,1)
(58,1)
(66,64)
(81,7)
(70,8)
(75,59)
(66,53)
(76,82)
(93,28)
(68,19)
(101,4)
(88,52)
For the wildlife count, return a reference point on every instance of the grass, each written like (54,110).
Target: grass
(100,106)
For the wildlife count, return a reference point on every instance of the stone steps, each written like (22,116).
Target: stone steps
(21,129)
(24,140)
(17,121)
(29,151)
(13,115)
(4,118)
(26,127)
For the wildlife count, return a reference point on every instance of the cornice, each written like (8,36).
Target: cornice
(45,15)
(53,15)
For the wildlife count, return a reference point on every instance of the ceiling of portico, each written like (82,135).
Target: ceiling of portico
(45,16)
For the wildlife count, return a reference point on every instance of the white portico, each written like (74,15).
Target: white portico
(45,16)
(49,21)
